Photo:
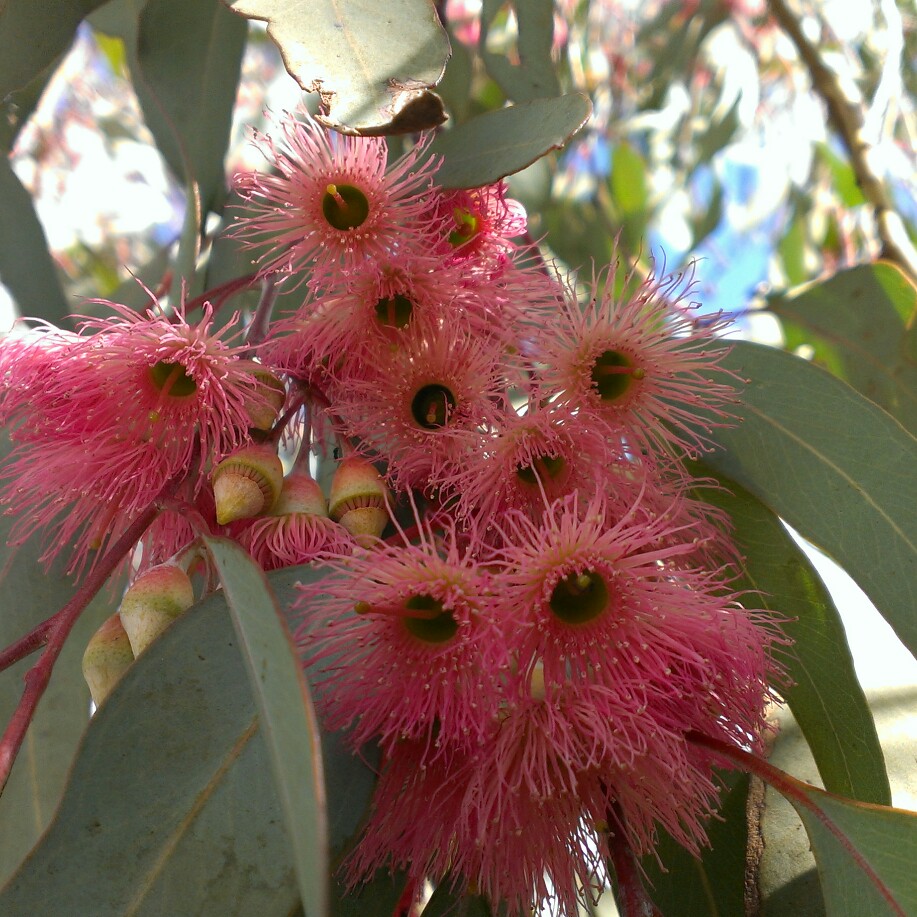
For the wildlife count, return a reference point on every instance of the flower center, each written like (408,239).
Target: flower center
(467,226)
(541,468)
(394,311)
(171,379)
(613,373)
(432,406)
(441,627)
(344,206)
(579,597)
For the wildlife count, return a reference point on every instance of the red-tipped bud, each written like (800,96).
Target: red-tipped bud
(300,494)
(271,395)
(107,657)
(247,483)
(358,500)
(153,601)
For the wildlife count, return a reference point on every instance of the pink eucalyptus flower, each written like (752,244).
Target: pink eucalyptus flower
(426,407)
(408,643)
(644,365)
(335,203)
(115,413)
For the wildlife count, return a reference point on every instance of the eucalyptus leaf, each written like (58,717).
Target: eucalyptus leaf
(861,317)
(373,64)
(287,717)
(170,807)
(823,691)
(530,74)
(835,466)
(33,33)
(712,885)
(26,266)
(190,57)
(861,852)
(499,143)
(29,594)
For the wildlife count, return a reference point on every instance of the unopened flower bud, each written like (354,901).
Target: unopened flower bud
(247,483)
(300,493)
(358,500)
(271,395)
(107,657)
(153,601)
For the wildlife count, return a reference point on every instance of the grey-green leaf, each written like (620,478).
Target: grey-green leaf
(373,63)
(26,266)
(857,321)
(32,34)
(170,807)
(287,716)
(190,56)
(823,692)
(28,595)
(531,75)
(837,467)
(499,143)
(864,855)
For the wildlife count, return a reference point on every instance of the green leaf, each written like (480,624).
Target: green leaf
(32,35)
(825,696)
(533,77)
(190,57)
(170,807)
(629,192)
(444,901)
(845,180)
(17,107)
(373,65)
(29,594)
(860,317)
(832,464)
(499,143)
(576,232)
(26,266)
(628,180)
(185,60)
(286,713)
(864,854)
(714,884)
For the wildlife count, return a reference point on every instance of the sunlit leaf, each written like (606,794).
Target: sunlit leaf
(287,717)
(374,65)
(499,143)
(861,316)
(834,465)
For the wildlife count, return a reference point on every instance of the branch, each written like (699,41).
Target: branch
(54,632)
(846,117)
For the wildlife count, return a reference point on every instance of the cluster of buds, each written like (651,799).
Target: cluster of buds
(532,649)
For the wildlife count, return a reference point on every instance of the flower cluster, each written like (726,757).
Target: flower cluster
(550,618)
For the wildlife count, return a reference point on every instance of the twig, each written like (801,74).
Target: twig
(846,118)
(58,628)
(257,330)
(632,898)
(25,646)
